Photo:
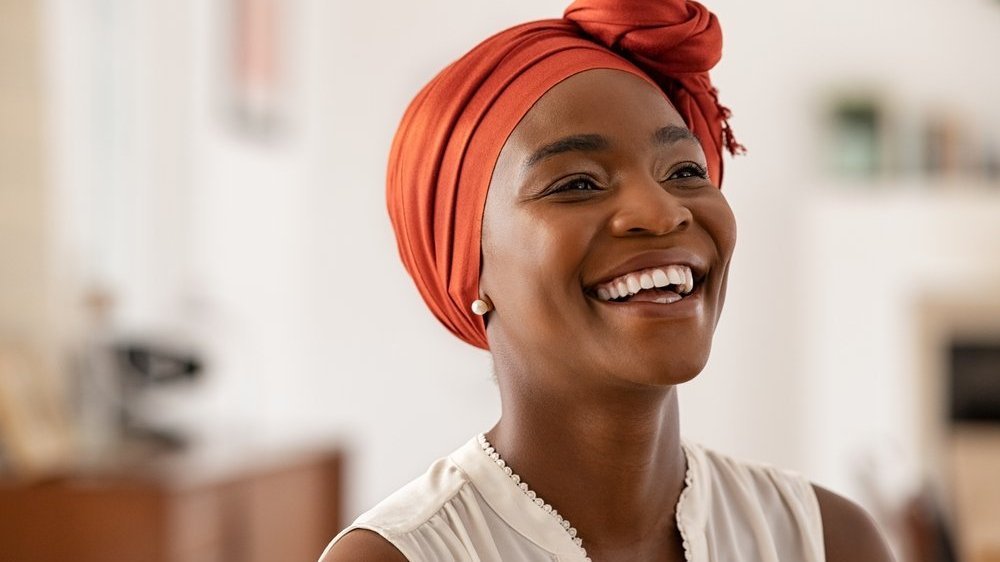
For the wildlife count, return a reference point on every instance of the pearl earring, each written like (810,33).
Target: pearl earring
(481,307)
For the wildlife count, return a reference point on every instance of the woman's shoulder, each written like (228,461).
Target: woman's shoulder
(418,501)
(385,529)
(730,474)
(362,545)
(834,525)
(396,527)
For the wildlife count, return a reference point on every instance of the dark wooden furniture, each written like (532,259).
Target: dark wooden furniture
(212,507)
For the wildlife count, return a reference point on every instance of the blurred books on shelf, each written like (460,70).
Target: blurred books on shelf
(867,136)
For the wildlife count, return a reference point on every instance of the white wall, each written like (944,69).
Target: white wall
(280,259)
(872,263)
(25,316)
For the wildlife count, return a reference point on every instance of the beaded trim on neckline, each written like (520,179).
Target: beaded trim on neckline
(523,486)
(492,453)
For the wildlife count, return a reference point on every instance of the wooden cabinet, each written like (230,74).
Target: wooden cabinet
(256,509)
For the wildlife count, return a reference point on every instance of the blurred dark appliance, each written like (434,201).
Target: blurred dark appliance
(143,367)
(975,382)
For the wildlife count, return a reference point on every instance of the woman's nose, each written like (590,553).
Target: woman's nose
(645,207)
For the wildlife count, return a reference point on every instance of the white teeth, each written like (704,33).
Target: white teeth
(676,274)
(660,278)
(622,288)
(680,276)
(633,284)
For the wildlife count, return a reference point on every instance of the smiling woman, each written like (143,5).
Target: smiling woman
(634,202)
(555,195)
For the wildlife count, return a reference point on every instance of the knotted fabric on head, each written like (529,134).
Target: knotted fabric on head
(442,156)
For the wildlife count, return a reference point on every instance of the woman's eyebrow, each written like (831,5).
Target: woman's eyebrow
(673,133)
(665,135)
(567,144)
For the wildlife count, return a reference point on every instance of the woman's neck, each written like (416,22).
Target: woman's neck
(611,463)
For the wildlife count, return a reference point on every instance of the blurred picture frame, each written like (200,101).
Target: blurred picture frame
(253,67)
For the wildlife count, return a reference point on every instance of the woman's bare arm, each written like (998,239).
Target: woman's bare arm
(362,545)
(850,534)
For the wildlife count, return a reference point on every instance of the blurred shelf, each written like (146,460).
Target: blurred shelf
(904,188)
(963,214)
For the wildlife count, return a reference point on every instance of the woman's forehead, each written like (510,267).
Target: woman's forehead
(599,101)
(600,105)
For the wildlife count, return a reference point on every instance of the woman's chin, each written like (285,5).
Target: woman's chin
(663,371)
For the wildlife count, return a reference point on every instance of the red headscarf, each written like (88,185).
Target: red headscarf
(443,154)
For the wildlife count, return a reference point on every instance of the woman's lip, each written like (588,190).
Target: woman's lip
(656,258)
(691,305)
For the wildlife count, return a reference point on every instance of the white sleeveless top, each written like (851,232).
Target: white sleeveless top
(467,507)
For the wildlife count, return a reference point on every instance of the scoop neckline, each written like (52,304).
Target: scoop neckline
(528,518)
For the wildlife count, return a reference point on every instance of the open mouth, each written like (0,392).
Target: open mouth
(660,285)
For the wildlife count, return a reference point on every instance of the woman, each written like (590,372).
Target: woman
(555,198)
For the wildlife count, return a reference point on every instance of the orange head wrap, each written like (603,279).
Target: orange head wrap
(449,139)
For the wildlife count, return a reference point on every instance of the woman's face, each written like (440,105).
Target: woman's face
(598,187)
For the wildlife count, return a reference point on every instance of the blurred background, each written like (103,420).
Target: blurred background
(209,349)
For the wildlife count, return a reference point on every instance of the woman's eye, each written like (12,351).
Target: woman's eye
(577,185)
(689,170)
